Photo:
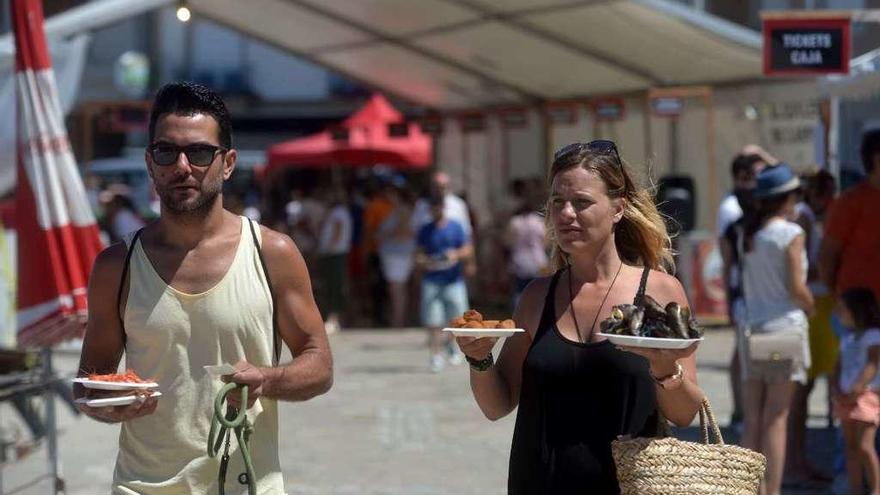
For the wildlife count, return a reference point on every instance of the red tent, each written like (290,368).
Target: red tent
(56,229)
(368,142)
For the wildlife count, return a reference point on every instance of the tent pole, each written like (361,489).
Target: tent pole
(714,196)
(465,163)
(546,142)
(646,129)
(505,159)
(51,422)
(833,165)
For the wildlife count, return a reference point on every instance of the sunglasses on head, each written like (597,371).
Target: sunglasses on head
(200,155)
(599,146)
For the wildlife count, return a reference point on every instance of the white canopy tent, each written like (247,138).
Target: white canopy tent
(462,54)
(459,54)
(855,99)
(862,82)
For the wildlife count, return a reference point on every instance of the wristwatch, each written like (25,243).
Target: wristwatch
(673,381)
(480,364)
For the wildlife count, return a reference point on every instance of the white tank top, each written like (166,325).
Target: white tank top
(767,295)
(171,335)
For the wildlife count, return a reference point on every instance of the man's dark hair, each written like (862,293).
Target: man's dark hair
(870,148)
(744,163)
(188,98)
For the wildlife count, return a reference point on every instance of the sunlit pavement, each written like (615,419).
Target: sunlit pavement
(388,427)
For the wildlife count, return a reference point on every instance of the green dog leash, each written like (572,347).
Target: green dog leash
(221,426)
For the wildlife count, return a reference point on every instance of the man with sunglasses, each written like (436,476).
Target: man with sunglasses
(198,287)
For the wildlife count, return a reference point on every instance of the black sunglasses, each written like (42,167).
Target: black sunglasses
(599,146)
(200,155)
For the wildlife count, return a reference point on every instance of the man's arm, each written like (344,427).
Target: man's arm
(463,253)
(103,344)
(754,149)
(310,373)
(838,227)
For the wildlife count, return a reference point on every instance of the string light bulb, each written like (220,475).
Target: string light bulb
(183,13)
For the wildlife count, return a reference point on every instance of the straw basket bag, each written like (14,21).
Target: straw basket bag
(667,466)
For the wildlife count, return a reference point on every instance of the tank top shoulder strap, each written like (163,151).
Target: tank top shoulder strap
(548,314)
(643,284)
(256,236)
(130,240)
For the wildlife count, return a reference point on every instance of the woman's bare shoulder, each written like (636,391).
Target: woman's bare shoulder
(531,303)
(665,288)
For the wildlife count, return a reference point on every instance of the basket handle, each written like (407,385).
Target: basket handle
(707,423)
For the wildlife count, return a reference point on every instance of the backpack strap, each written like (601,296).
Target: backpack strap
(276,342)
(130,244)
(643,284)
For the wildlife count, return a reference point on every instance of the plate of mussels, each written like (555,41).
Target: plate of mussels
(651,325)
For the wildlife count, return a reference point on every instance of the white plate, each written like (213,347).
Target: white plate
(99,385)
(112,401)
(483,332)
(649,342)
(219,369)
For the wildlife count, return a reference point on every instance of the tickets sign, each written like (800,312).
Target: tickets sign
(806,46)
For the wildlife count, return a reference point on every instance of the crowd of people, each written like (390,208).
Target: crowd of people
(802,279)
(384,259)
(205,284)
(362,240)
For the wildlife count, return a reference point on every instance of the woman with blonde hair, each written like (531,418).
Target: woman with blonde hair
(575,391)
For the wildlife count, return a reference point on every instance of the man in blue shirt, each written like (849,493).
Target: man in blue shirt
(443,246)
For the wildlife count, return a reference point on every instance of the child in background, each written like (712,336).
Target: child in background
(855,386)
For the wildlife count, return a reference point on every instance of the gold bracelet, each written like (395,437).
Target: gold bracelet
(668,382)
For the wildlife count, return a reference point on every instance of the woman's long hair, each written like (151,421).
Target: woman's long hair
(860,301)
(764,208)
(640,236)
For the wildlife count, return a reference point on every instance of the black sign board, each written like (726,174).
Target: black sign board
(667,106)
(608,109)
(806,46)
(562,113)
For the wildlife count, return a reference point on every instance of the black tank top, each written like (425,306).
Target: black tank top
(575,399)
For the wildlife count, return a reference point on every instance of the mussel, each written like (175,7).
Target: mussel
(626,319)
(655,328)
(652,320)
(613,324)
(653,309)
(694,329)
(676,320)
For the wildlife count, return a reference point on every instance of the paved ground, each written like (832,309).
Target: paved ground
(388,427)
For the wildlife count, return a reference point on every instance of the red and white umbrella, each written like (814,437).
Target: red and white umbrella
(56,230)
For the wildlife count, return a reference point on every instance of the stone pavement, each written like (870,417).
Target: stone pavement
(388,427)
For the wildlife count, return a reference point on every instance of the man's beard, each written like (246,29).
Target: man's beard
(189,207)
